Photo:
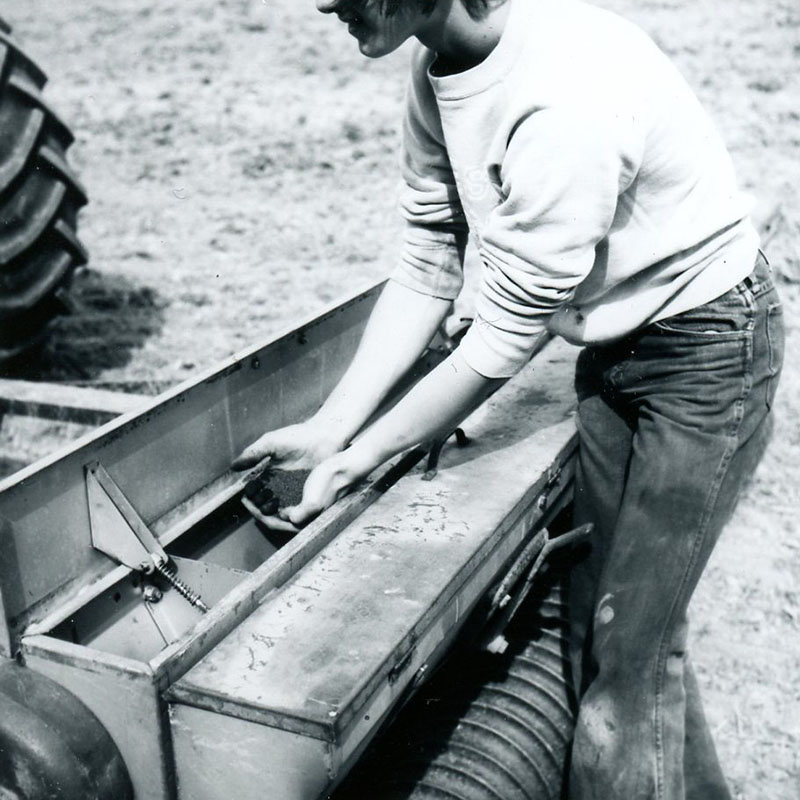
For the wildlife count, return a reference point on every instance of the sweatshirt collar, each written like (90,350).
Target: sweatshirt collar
(493,68)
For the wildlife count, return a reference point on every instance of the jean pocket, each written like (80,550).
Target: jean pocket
(775,348)
(705,321)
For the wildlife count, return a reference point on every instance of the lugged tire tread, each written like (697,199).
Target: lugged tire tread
(40,197)
(28,66)
(16,147)
(31,94)
(51,275)
(470,786)
(542,742)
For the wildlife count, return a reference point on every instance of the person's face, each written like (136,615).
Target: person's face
(378,34)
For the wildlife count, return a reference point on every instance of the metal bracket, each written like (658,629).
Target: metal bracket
(401,665)
(553,478)
(116,527)
(118,531)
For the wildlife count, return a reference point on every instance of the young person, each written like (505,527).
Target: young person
(604,208)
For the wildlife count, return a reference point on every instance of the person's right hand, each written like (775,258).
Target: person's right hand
(300,446)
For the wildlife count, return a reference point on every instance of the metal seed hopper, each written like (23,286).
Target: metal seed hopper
(157,642)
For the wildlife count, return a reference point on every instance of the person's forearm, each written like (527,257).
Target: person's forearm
(430,410)
(433,408)
(400,327)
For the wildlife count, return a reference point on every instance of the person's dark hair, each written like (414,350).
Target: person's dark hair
(475,8)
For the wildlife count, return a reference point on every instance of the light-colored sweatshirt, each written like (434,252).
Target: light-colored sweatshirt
(596,189)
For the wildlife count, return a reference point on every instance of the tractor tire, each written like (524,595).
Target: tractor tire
(485,727)
(39,202)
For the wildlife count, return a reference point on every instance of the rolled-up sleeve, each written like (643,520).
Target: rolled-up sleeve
(436,232)
(561,176)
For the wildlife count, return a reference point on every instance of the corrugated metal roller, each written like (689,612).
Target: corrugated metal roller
(496,728)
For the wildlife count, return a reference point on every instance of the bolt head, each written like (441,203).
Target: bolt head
(151,594)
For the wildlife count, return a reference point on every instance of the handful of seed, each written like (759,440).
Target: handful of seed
(273,489)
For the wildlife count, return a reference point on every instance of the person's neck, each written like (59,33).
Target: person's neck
(460,41)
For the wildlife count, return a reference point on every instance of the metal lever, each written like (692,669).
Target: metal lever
(504,605)
(118,531)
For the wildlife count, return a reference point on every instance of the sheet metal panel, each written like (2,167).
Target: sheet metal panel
(160,457)
(220,758)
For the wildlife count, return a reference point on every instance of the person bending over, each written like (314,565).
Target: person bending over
(604,208)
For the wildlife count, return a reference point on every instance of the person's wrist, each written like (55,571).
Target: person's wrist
(358,461)
(327,435)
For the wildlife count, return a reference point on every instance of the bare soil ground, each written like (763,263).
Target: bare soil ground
(241,162)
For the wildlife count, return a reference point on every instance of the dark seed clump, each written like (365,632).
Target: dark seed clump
(276,488)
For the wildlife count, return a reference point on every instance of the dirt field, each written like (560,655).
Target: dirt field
(241,162)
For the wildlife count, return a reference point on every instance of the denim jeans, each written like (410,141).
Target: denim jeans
(672,421)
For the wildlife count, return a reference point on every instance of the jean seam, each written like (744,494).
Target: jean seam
(729,336)
(743,295)
(700,535)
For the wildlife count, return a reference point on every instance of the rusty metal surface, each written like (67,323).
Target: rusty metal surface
(361,617)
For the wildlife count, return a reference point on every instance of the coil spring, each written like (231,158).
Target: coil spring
(169,575)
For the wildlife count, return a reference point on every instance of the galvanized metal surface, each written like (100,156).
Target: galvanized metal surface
(162,457)
(277,765)
(327,655)
(172,464)
(103,655)
(116,527)
(121,622)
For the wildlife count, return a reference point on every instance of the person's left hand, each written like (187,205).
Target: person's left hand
(328,482)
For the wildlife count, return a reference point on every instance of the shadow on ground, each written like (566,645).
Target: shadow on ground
(110,318)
